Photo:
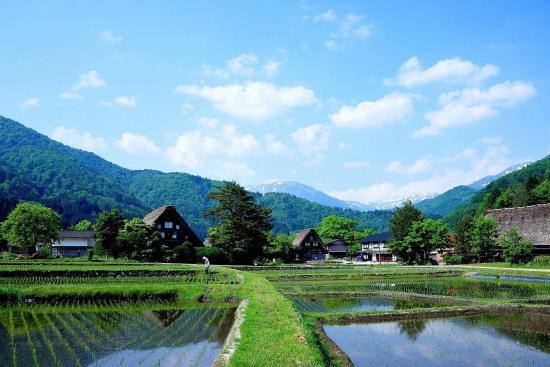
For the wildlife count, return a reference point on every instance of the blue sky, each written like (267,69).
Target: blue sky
(364,100)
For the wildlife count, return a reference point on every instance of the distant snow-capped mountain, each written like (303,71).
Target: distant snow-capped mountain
(482,182)
(306,192)
(390,204)
(309,193)
(312,194)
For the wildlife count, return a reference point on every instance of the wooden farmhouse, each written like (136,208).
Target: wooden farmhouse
(172,227)
(337,249)
(309,246)
(73,243)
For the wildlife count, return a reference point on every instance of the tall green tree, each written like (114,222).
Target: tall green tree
(29,225)
(135,240)
(279,246)
(423,237)
(106,229)
(403,219)
(484,238)
(84,225)
(464,232)
(244,225)
(334,227)
(515,248)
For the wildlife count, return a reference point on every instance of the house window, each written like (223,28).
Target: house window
(174,235)
(307,244)
(177,226)
(315,244)
(158,226)
(168,225)
(162,234)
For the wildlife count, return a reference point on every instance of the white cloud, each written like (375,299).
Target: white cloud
(76,139)
(87,80)
(110,37)
(355,164)
(245,65)
(29,103)
(194,147)
(126,101)
(234,170)
(493,140)
(469,166)
(276,147)
(453,70)
(349,27)
(242,64)
(390,108)
(271,67)
(312,140)
(186,108)
(209,122)
(253,100)
(422,165)
(473,104)
(327,16)
(136,144)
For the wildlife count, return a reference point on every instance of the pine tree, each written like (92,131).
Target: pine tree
(244,225)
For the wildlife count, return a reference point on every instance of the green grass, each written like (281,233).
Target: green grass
(271,332)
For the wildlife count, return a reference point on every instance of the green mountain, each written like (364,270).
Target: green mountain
(527,186)
(443,204)
(80,184)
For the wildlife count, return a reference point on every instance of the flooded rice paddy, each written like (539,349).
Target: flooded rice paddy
(521,339)
(162,336)
(355,304)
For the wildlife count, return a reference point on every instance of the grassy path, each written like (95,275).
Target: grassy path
(272,333)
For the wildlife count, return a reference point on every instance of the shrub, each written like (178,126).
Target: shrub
(184,253)
(90,254)
(44,251)
(454,259)
(541,260)
(215,255)
(516,249)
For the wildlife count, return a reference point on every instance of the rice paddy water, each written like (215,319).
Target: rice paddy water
(161,335)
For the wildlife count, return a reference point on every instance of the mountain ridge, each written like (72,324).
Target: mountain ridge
(80,184)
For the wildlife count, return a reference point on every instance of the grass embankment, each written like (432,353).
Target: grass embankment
(271,334)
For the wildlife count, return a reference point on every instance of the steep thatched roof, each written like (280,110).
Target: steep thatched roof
(151,217)
(303,235)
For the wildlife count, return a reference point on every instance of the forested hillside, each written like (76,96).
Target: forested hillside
(527,186)
(443,204)
(79,185)
(292,212)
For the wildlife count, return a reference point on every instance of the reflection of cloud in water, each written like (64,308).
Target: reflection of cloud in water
(197,354)
(450,342)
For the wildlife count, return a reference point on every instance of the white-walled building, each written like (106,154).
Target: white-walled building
(73,243)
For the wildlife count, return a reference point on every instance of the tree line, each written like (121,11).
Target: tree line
(243,234)
(475,239)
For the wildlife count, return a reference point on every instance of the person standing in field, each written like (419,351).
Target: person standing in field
(206,264)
